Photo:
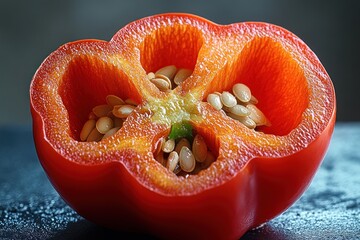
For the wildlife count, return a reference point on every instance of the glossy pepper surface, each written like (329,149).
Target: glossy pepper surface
(117,182)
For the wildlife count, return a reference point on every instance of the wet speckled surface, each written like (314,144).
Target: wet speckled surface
(31,209)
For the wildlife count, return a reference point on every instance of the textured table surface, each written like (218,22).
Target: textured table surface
(31,209)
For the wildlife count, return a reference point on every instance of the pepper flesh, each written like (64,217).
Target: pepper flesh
(118,183)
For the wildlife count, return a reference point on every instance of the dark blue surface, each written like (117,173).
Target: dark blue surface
(31,209)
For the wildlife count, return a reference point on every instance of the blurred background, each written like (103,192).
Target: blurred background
(31,30)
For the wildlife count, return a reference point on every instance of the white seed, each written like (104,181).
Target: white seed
(242,92)
(228,99)
(233,116)
(94,136)
(161,84)
(181,75)
(122,111)
(113,100)
(102,110)
(248,122)
(214,101)
(150,75)
(168,71)
(104,124)
(239,110)
(168,146)
(163,77)
(199,148)
(187,160)
(183,142)
(256,115)
(111,132)
(87,128)
(172,161)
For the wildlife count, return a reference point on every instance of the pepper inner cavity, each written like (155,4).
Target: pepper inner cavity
(183,152)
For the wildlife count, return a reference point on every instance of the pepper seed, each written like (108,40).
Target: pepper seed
(242,92)
(228,99)
(122,111)
(172,161)
(168,71)
(113,100)
(168,145)
(183,142)
(181,75)
(186,159)
(199,148)
(214,101)
(87,128)
(102,110)
(104,124)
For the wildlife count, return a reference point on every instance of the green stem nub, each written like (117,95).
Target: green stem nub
(181,130)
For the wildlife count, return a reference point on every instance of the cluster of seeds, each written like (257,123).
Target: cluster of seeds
(168,77)
(239,105)
(181,156)
(184,157)
(105,120)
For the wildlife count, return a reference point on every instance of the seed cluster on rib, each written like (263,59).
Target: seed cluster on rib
(178,154)
(105,120)
(184,157)
(167,78)
(239,105)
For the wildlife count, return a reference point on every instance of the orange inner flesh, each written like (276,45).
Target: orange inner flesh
(279,82)
(86,83)
(272,74)
(177,46)
(274,78)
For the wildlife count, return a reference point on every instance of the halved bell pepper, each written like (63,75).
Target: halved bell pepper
(118,183)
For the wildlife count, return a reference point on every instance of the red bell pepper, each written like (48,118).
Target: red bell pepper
(117,182)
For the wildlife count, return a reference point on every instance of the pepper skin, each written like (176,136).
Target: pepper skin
(117,183)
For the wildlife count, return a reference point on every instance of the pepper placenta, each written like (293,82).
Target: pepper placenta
(117,182)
